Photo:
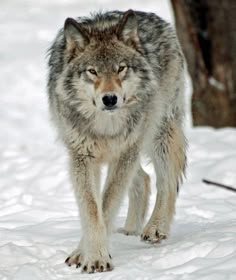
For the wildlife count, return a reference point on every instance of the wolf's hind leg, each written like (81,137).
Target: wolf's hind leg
(139,193)
(120,175)
(169,162)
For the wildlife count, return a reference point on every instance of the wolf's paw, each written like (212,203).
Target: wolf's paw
(90,263)
(128,232)
(97,264)
(75,258)
(153,235)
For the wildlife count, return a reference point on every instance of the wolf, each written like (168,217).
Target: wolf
(116,93)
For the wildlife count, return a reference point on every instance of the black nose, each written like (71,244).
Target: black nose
(109,100)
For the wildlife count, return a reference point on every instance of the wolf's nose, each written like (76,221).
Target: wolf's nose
(109,100)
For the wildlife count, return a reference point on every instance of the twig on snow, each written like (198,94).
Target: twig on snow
(219,185)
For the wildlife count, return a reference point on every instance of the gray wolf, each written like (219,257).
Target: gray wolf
(116,84)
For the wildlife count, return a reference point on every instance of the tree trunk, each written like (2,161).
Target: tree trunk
(207,33)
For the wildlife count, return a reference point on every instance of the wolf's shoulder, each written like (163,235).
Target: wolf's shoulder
(152,29)
(147,22)
(150,26)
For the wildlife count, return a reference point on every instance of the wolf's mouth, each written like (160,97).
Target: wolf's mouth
(110,109)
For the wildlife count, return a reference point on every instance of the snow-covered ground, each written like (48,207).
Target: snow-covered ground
(39,222)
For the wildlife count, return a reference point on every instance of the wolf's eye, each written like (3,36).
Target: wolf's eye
(92,71)
(121,68)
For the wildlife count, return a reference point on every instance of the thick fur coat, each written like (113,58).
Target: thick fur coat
(116,85)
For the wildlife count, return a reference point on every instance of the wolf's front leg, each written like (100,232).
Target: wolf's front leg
(92,254)
(119,178)
(168,155)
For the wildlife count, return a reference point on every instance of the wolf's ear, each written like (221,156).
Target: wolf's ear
(127,29)
(76,36)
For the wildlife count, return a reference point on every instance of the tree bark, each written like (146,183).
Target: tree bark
(207,33)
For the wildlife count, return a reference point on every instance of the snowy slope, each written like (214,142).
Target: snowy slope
(39,222)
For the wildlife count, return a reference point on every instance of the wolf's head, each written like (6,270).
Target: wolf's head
(105,72)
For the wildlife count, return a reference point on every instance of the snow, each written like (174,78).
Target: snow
(216,84)
(39,222)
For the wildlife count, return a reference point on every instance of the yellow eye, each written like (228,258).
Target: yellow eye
(92,71)
(121,68)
